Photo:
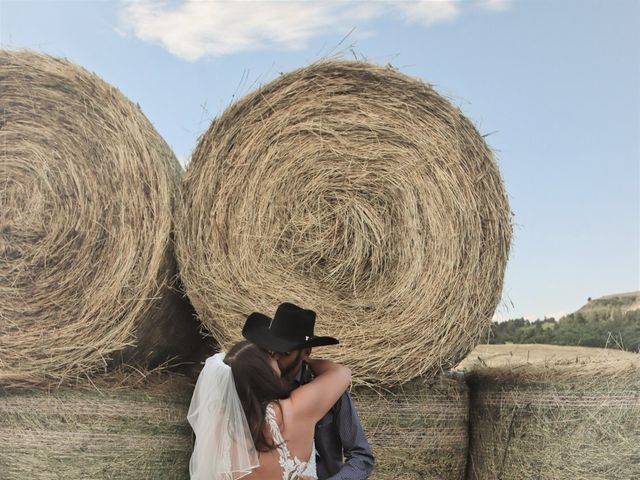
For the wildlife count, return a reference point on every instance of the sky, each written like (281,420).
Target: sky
(554,84)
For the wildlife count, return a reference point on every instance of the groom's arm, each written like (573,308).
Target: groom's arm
(359,460)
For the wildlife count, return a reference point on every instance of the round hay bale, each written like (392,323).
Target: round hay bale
(361,193)
(564,420)
(86,255)
(418,430)
(109,431)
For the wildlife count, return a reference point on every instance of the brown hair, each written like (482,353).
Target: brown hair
(257,385)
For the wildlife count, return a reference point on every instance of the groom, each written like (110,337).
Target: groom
(343,450)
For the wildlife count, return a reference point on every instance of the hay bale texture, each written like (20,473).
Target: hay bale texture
(418,430)
(86,258)
(129,430)
(361,193)
(563,421)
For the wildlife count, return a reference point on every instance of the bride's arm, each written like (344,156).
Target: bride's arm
(314,399)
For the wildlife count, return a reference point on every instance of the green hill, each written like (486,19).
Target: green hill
(612,321)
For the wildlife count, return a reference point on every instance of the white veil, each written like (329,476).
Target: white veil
(224,448)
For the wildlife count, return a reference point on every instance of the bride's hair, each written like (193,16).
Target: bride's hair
(257,385)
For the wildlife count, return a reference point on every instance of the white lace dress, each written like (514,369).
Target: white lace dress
(292,467)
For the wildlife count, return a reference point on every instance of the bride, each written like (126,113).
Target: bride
(249,426)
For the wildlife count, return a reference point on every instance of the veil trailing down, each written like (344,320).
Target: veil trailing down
(224,448)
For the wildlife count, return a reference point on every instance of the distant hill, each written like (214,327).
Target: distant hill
(618,303)
(612,321)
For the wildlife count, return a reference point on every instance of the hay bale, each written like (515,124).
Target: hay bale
(563,420)
(114,430)
(418,430)
(358,192)
(86,257)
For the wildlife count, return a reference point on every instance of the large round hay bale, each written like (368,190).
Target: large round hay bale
(563,421)
(125,431)
(418,430)
(86,256)
(361,193)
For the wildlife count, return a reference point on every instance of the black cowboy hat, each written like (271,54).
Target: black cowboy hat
(291,328)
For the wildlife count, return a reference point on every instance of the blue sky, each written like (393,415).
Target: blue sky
(554,83)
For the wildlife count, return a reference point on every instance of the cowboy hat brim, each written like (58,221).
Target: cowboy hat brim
(256,330)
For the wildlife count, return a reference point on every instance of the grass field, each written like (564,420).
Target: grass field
(516,354)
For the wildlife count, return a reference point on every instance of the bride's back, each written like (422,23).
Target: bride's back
(294,456)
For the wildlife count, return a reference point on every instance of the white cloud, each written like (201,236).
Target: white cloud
(498,5)
(429,11)
(193,29)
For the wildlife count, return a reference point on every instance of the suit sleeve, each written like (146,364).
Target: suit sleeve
(359,460)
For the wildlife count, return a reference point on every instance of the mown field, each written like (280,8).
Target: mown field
(515,354)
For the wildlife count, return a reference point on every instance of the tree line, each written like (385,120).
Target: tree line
(606,329)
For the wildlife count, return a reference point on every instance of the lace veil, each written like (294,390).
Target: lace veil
(224,448)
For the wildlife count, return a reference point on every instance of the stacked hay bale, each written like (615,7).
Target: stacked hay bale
(86,257)
(365,195)
(417,430)
(115,427)
(560,420)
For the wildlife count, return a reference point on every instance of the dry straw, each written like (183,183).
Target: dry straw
(564,420)
(124,426)
(361,193)
(87,189)
(418,430)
